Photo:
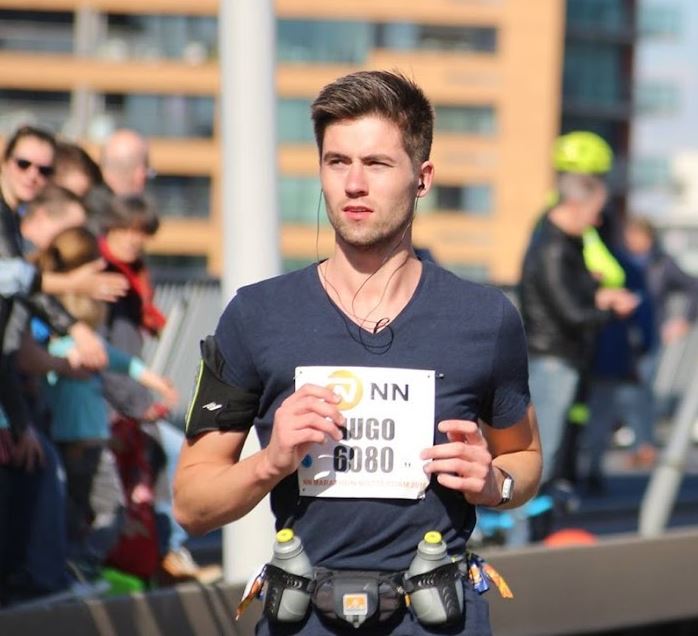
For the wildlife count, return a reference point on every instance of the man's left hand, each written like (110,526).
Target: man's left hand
(464,463)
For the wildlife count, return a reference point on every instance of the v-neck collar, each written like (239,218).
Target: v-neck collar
(402,315)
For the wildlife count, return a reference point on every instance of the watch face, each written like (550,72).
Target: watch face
(507,488)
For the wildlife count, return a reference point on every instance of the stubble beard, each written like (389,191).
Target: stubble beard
(384,236)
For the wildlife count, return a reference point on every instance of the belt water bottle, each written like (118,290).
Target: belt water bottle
(427,603)
(290,556)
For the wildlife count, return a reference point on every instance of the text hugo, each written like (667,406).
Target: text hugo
(371,428)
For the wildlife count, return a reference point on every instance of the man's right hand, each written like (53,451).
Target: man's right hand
(90,280)
(620,301)
(306,417)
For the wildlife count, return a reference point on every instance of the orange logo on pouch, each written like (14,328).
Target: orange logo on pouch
(348,387)
(355,604)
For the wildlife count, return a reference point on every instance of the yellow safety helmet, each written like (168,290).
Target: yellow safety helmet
(582,152)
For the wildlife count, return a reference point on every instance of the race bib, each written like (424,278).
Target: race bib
(390,420)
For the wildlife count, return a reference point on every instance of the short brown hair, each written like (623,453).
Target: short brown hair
(387,94)
(54,200)
(132,211)
(643,224)
(71,157)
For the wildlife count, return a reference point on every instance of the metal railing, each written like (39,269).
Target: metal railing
(677,377)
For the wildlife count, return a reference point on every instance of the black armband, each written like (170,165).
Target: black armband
(217,405)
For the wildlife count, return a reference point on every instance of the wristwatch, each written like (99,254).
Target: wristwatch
(507,487)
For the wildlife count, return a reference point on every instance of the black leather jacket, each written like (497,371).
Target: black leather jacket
(12,322)
(558,296)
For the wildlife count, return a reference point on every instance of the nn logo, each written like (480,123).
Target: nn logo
(348,387)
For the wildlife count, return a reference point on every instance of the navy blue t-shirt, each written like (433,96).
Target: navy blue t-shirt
(469,334)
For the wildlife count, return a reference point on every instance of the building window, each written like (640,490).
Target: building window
(650,172)
(351,42)
(36,31)
(191,38)
(474,199)
(178,196)
(479,120)
(47,109)
(323,41)
(607,14)
(294,124)
(163,115)
(594,73)
(656,97)
(299,200)
(659,21)
(433,37)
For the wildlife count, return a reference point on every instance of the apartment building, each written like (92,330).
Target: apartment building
(492,68)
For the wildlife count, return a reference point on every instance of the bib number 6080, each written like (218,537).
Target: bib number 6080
(355,459)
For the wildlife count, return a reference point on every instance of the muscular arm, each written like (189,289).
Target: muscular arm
(517,451)
(213,486)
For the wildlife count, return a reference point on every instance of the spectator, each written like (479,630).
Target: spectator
(664,278)
(75,170)
(53,211)
(562,305)
(618,388)
(125,163)
(31,545)
(26,166)
(132,220)
(80,423)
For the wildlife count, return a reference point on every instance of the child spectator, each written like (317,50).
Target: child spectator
(80,423)
(75,170)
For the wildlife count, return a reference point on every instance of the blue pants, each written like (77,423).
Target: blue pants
(33,542)
(170,534)
(610,401)
(553,384)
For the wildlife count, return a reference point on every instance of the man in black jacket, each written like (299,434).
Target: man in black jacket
(562,305)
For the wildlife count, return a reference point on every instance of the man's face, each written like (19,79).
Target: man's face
(127,244)
(369,182)
(74,180)
(48,226)
(637,240)
(27,171)
(589,210)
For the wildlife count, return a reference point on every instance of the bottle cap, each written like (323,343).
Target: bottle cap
(432,537)
(285,535)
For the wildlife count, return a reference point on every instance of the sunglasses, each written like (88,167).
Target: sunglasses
(25,164)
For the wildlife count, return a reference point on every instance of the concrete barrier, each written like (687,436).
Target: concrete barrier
(621,583)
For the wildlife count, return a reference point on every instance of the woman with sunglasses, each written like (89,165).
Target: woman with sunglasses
(27,165)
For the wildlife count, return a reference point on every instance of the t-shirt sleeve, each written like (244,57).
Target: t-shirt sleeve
(509,396)
(238,367)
